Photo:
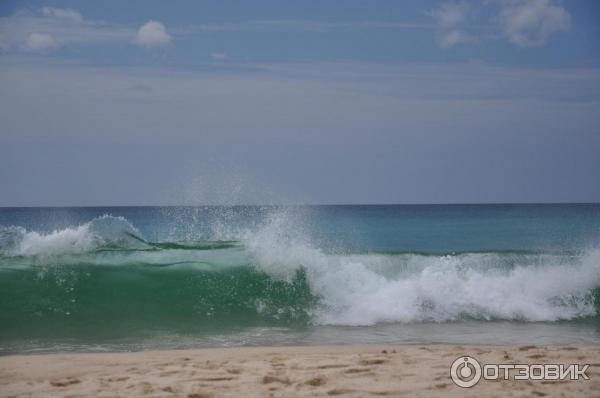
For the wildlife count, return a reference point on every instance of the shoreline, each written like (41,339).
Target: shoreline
(353,371)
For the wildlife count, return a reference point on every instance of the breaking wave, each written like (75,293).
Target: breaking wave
(270,275)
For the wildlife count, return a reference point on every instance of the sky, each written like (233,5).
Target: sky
(309,102)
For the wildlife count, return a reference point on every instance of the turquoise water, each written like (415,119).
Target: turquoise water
(131,278)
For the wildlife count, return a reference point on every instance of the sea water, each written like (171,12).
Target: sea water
(134,278)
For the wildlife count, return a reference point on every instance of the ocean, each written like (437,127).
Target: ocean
(137,278)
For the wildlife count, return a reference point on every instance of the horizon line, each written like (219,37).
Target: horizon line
(310,204)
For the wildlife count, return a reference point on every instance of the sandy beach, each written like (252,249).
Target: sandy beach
(348,371)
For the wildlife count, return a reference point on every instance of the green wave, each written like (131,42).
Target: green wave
(104,302)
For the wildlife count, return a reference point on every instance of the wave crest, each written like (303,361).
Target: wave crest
(349,289)
(102,232)
(366,289)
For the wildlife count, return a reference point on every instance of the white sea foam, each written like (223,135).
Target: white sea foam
(368,289)
(100,232)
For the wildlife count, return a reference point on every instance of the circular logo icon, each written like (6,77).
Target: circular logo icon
(465,372)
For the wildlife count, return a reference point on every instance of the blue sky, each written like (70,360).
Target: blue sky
(192,102)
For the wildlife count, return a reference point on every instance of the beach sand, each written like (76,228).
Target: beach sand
(344,371)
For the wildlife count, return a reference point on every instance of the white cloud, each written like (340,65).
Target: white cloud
(48,28)
(152,34)
(41,42)
(451,38)
(450,15)
(65,13)
(530,23)
(525,23)
(449,18)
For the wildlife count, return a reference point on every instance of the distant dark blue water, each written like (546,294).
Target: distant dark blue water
(123,278)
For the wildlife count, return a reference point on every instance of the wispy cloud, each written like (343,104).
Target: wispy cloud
(49,28)
(450,17)
(525,23)
(219,56)
(300,25)
(454,37)
(68,14)
(41,42)
(469,81)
